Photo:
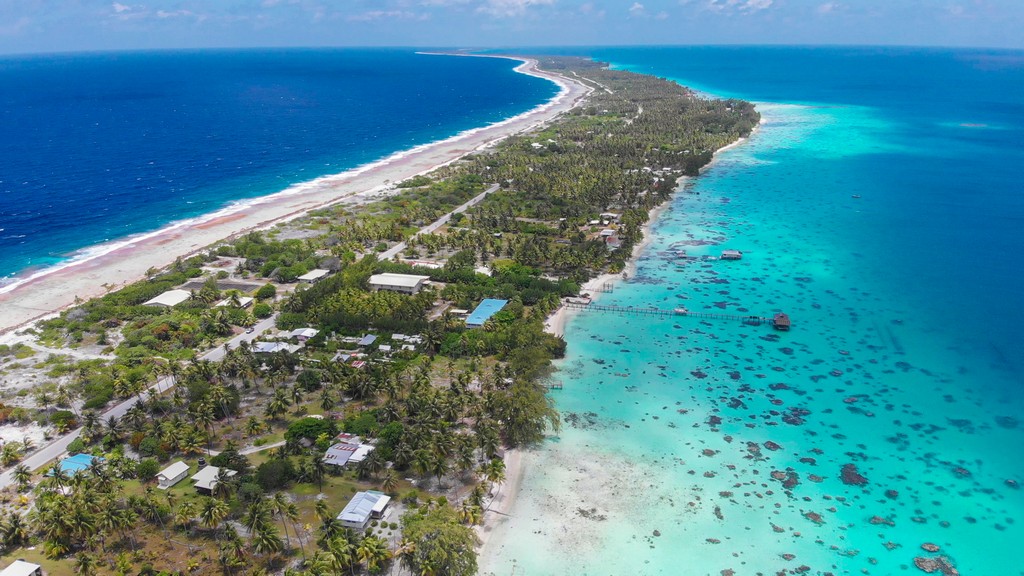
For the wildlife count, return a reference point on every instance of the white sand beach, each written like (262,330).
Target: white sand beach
(120,263)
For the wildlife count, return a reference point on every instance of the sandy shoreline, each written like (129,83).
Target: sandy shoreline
(114,265)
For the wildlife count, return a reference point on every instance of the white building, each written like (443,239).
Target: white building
(273,347)
(169,298)
(303,334)
(314,276)
(404,283)
(205,480)
(348,452)
(172,475)
(22,568)
(362,507)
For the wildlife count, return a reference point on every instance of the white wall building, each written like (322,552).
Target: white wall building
(172,475)
(362,507)
(404,283)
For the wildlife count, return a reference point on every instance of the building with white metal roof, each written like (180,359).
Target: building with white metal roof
(172,475)
(22,568)
(169,298)
(314,276)
(405,283)
(206,479)
(363,506)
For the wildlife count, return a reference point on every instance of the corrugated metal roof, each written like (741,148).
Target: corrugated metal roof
(359,508)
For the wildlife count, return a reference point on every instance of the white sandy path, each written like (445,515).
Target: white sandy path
(55,290)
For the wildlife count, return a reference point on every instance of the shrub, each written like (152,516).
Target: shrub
(275,474)
(147,469)
(262,310)
(149,446)
(266,292)
(76,446)
(309,428)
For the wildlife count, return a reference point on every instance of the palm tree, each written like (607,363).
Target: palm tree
(85,565)
(15,531)
(266,541)
(212,512)
(389,483)
(373,552)
(280,505)
(323,511)
(184,514)
(224,486)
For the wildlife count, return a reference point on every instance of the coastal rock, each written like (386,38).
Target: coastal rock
(814,517)
(891,494)
(851,477)
(939,564)
(1012,483)
(929,547)
(657,533)
(772,446)
(880,520)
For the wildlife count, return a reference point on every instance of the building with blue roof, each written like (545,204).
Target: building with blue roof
(489,307)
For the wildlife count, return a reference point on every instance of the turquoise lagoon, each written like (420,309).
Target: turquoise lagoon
(703,446)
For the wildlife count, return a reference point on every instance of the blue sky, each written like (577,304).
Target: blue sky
(68,25)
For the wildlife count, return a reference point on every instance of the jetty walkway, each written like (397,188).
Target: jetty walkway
(779,321)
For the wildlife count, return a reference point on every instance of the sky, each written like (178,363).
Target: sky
(76,25)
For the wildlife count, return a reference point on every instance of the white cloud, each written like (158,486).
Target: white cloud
(827,8)
(386,15)
(739,6)
(510,8)
(163,14)
(637,9)
(119,8)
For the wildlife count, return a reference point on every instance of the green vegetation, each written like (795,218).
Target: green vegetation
(438,406)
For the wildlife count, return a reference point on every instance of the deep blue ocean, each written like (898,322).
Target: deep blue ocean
(880,204)
(97,147)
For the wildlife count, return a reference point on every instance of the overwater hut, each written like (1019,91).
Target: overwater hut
(781,321)
(731,255)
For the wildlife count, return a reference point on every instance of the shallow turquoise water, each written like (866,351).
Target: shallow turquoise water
(668,419)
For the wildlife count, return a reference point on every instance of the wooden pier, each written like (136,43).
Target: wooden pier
(750,320)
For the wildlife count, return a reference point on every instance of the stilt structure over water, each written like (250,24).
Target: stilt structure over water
(780,321)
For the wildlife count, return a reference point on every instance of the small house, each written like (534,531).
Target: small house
(314,276)
(781,321)
(362,507)
(172,475)
(367,340)
(22,568)
(348,450)
(206,480)
(304,334)
(272,347)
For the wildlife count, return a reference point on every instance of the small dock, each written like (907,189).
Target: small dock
(779,321)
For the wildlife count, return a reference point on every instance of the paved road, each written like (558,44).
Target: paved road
(429,229)
(59,446)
